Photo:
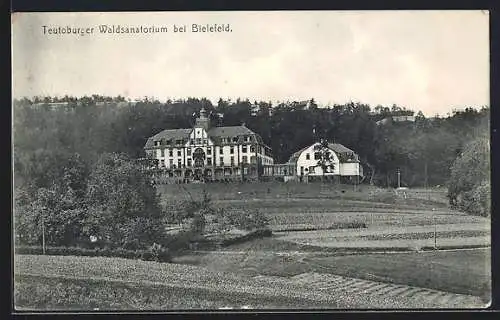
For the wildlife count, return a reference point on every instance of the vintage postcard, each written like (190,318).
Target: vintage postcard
(294,160)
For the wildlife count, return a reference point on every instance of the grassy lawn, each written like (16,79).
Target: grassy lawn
(466,272)
(313,191)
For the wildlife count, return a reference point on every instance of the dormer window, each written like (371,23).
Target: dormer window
(157,143)
(235,139)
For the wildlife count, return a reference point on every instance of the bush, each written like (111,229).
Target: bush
(246,219)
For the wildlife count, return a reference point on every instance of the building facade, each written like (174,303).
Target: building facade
(205,153)
(303,165)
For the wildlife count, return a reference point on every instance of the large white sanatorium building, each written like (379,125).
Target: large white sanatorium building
(209,153)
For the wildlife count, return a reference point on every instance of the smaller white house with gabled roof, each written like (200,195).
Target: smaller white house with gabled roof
(344,162)
(304,165)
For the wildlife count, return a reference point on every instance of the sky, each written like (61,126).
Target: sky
(429,61)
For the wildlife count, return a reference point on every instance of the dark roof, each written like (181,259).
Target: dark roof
(215,133)
(229,131)
(340,150)
(169,134)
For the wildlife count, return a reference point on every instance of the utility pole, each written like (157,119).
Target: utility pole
(427,182)
(399,178)
(43,231)
(435,232)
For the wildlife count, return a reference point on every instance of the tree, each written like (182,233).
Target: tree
(469,184)
(123,206)
(325,158)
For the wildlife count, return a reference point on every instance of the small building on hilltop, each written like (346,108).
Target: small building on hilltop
(304,165)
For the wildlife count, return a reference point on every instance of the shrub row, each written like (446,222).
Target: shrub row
(335,226)
(155,254)
(261,233)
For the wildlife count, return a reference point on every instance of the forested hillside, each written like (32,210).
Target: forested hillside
(47,135)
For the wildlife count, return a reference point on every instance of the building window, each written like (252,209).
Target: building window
(244,149)
(189,162)
(209,150)
(209,161)
(162,152)
(179,153)
(221,150)
(188,151)
(232,161)
(244,159)
(204,141)
(308,156)
(192,141)
(157,143)
(170,152)
(311,169)
(317,156)
(162,163)
(171,161)
(198,140)
(178,141)
(221,161)
(169,142)
(235,139)
(179,163)
(252,149)
(245,170)
(231,150)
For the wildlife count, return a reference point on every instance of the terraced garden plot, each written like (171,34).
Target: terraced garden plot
(323,220)
(313,204)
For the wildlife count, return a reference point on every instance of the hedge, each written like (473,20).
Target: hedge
(148,255)
(340,225)
(249,236)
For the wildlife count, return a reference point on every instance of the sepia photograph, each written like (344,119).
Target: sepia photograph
(251,160)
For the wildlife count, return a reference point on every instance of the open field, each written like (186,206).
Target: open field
(66,283)
(319,268)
